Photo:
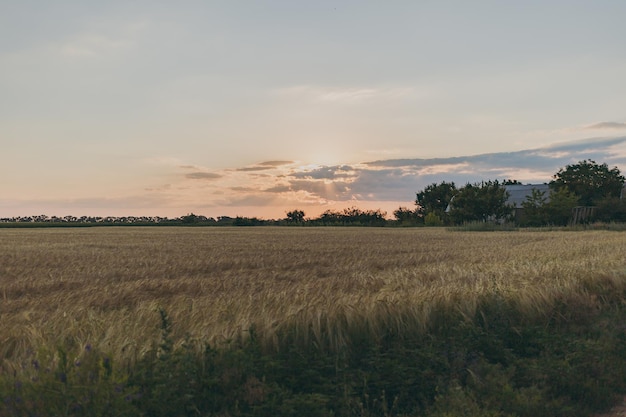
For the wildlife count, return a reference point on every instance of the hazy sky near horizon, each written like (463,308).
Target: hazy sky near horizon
(254,108)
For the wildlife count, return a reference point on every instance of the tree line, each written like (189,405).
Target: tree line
(584,184)
(352,216)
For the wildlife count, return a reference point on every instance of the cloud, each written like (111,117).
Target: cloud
(561,153)
(336,190)
(606,125)
(326,172)
(345,94)
(279,189)
(353,94)
(599,147)
(264,166)
(243,189)
(255,168)
(399,179)
(275,163)
(163,187)
(203,176)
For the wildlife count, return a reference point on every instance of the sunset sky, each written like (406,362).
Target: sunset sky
(255,108)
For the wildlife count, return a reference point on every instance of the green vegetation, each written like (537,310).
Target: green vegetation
(435,199)
(480,202)
(589,181)
(497,363)
(541,211)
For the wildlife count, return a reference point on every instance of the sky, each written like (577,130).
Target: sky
(255,108)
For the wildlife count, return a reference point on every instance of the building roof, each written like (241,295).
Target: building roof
(519,192)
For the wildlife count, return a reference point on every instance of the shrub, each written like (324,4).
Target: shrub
(432,220)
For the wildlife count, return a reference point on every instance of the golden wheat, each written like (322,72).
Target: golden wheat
(103,286)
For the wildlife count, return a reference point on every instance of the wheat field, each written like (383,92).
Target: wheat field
(104,286)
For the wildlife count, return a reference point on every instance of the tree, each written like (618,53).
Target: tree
(534,209)
(190,219)
(435,199)
(352,216)
(541,211)
(559,209)
(248,221)
(484,201)
(611,209)
(590,181)
(405,216)
(295,216)
(357,216)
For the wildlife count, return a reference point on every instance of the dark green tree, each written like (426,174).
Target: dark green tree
(485,201)
(248,221)
(329,217)
(535,213)
(611,209)
(295,216)
(590,181)
(558,210)
(355,216)
(435,199)
(190,219)
(351,217)
(406,216)
(555,210)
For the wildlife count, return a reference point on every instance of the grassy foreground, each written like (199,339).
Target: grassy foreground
(299,321)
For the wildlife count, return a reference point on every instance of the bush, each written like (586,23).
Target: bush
(432,220)
(57,385)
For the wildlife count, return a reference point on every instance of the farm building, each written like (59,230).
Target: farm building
(519,193)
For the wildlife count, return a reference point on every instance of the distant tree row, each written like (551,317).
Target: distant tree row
(351,217)
(42,218)
(347,217)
